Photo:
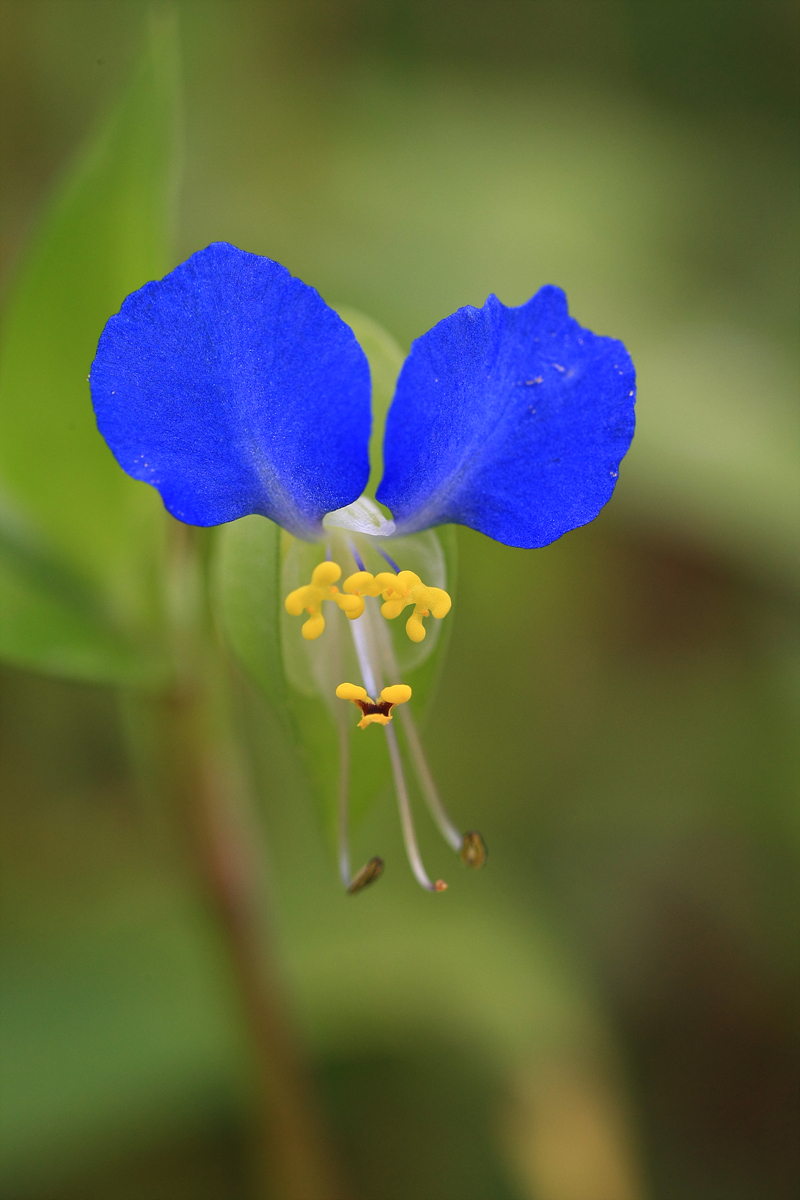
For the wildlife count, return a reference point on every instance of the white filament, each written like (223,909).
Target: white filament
(370,680)
(447,828)
(344,802)
(406,820)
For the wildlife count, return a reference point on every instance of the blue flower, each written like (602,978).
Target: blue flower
(234,389)
(512,421)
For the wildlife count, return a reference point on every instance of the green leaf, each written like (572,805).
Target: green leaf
(717,447)
(105,234)
(51,621)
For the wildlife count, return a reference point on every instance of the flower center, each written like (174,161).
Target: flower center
(398,589)
(398,592)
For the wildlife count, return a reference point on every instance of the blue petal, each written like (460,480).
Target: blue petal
(233,388)
(510,420)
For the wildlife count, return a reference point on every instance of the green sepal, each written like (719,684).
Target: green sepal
(385,359)
(245,585)
(106,232)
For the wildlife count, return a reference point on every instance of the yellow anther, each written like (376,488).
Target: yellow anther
(313,627)
(351,606)
(361,584)
(407,588)
(351,691)
(309,598)
(357,587)
(372,713)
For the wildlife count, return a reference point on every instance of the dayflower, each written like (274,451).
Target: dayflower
(234,389)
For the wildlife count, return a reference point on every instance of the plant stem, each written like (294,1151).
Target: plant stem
(296,1161)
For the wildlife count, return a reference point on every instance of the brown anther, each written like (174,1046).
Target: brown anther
(440,886)
(372,713)
(380,711)
(473,850)
(367,875)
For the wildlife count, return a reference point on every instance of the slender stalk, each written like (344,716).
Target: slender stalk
(406,820)
(362,649)
(344,802)
(295,1161)
(448,830)
(371,680)
(447,827)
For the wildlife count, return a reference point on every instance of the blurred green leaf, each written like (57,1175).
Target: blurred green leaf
(105,234)
(50,620)
(128,1023)
(717,446)
(111,1028)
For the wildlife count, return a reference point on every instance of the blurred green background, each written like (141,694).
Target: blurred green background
(609,1011)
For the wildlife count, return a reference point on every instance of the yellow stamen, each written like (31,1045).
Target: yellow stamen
(311,595)
(362,584)
(374,714)
(407,588)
